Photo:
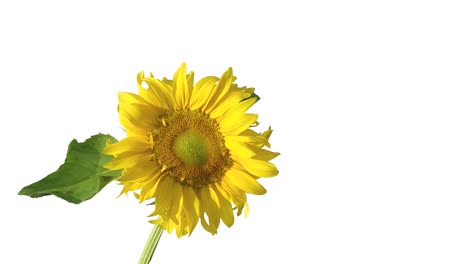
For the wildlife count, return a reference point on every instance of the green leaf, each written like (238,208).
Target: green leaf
(81,176)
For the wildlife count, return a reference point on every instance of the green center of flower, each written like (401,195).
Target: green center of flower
(191,147)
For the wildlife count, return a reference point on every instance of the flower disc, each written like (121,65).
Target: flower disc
(198,155)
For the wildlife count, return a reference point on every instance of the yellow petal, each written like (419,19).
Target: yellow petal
(167,81)
(267,135)
(163,193)
(266,155)
(168,198)
(201,92)
(176,205)
(247,210)
(223,87)
(149,95)
(148,190)
(135,143)
(236,124)
(210,228)
(260,168)
(210,206)
(214,196)
(139,115)
(258,140)
(180,88)
(182,228)
(128,159)
(239,148)
(141,171)
(227,188)
(130,187)
(232,108)
(190,208)
(131,98)
(226,210)
(231,100)
(255,139)
(244,181)
(162,93)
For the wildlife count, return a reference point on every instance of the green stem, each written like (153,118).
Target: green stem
(151,244)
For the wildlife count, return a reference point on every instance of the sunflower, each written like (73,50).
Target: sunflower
(191,148)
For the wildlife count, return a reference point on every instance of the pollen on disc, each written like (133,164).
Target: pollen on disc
(192,148)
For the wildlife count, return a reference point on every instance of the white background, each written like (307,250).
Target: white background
(368,100)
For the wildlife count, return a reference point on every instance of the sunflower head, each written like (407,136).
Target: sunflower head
(190,147)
